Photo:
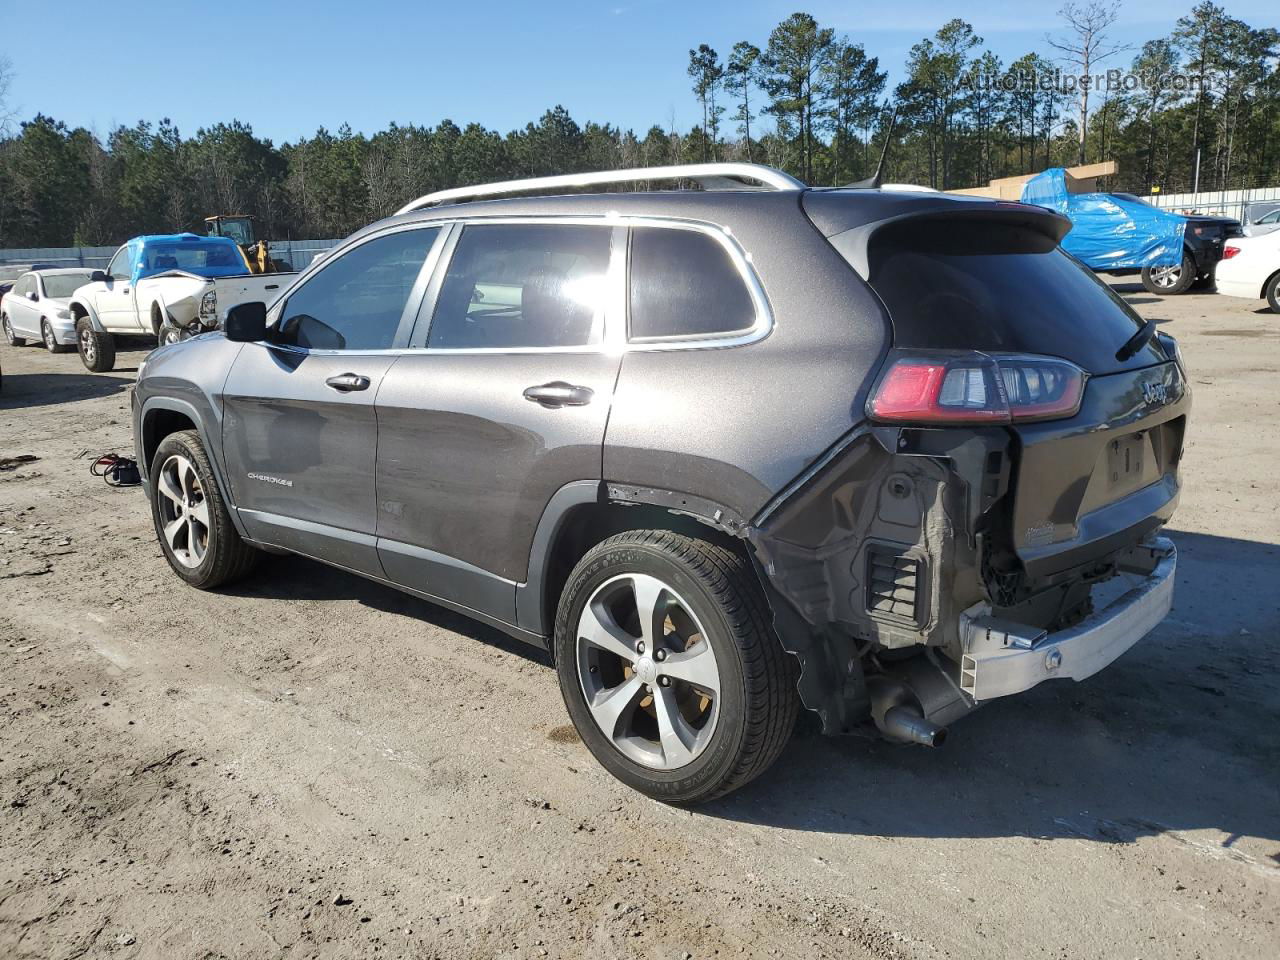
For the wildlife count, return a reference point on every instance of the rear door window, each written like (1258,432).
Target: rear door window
(951,285)
(522,285)
(356,302)
(684,284)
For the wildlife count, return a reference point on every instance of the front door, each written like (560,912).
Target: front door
(501,400)
(300,436)
(114,299)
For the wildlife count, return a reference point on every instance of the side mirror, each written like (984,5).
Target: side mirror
(246,323)
(98,276)
(32,296)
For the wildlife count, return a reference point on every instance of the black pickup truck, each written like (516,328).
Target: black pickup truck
(1202,249)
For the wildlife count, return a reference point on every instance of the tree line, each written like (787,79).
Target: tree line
(1201,103)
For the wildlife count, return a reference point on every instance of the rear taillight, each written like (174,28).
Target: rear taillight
(975,388)
(1229,252)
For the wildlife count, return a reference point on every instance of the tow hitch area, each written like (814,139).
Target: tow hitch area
(1002,657)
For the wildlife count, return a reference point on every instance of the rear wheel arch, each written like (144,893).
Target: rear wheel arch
(579,516)
(1271,291)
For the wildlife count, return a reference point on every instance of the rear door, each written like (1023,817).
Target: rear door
(24,313)
(501,400)
(300,436)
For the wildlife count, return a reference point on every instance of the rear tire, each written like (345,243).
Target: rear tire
(673,739)
(191,519)
(97,349)
(50,341)
(1170,281)
(1273,293)
(8,333)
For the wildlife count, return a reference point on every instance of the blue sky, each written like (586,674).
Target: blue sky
(310,63)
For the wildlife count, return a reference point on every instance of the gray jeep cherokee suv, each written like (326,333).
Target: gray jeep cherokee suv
(724,453)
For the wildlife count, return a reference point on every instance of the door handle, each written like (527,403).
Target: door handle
(346,382)
(557,393)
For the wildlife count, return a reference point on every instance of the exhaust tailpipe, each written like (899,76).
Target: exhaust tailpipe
(906,724)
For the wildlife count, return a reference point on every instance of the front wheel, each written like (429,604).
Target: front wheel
(50,341)
(9,338)
(1170,281)
(669,666)
(169,334)
(192,523)
(97,349)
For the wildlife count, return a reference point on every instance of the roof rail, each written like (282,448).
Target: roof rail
(712,176)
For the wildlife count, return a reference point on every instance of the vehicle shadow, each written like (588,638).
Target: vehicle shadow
(1177,735)
(23,390)
(297,578)
(1126,286)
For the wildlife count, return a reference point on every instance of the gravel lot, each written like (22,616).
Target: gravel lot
(310,765)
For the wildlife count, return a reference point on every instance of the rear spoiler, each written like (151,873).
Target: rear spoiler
(842,219)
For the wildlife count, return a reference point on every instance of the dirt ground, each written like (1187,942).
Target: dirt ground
(310,765)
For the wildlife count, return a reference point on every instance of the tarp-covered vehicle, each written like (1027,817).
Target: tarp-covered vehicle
(1121,233)
(169,286)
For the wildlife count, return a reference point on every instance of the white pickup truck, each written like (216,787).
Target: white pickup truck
(167,287)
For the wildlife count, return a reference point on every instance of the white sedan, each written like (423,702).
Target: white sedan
(1267,223)
(37,308)
(1250,268)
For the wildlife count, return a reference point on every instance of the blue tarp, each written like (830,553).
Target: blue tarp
(204,256)
(1109,232)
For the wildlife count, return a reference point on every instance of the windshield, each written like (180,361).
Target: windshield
(241,231)
(205,259)
(62,285)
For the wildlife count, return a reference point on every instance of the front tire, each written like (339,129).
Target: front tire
(50,341)
(1170,281)
(97,349)
(9,338)
(191,519)
(669,666)
(169,334)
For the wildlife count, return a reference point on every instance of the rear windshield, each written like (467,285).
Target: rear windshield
(979,286)
(205,259)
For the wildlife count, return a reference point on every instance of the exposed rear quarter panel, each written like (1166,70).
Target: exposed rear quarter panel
(736,425)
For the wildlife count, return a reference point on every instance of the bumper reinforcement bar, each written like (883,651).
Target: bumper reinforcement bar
(1003,657)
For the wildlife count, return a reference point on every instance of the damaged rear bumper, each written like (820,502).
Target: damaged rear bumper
(1002,657)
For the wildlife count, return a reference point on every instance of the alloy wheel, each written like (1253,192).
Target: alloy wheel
(648,671)
(1166,276)
(184,511)
(8,332)
(88,345)
(49,340)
